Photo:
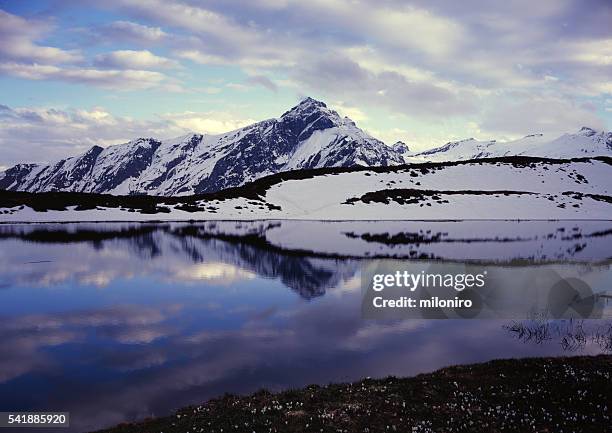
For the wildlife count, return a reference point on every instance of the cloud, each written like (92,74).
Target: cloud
(131,59)
(22,57)
(221,29)
(18,42)
(422,60)
(251,61)
(52,134)
(407,27)
(206,36)
(133,32)
(342,77)
(524,114)
(487,47)
(354,113)
(237,86)
(210,122)
(109,78)
(263,81)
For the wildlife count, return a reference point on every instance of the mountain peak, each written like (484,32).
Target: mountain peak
(310,115)
(311,101)
(587,131)
(308,106)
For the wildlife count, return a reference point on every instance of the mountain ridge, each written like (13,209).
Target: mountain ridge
(309,135)
(586,142)
(517,187)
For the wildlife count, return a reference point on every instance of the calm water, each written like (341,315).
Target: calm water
(116,322)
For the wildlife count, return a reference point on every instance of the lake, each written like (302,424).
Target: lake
(118,322)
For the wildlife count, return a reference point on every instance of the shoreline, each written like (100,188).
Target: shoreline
(531,394)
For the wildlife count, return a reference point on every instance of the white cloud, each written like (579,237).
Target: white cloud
(527,113)
(21,57)
(196,19)
(237,86)
(114,79)
(18,37)
(210,122)
(401,26)
(597,52)
(41,134)
(341,77)
(132,59)
(248,60)
(353,113)
(411,28)
(135,32)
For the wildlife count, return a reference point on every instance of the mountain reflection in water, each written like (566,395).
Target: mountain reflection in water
(116,322)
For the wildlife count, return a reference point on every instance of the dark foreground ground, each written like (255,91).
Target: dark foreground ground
(530,395)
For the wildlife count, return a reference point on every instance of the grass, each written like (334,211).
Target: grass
(526,395)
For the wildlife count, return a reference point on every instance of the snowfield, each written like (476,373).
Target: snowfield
(507,188)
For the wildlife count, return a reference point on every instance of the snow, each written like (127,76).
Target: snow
(185,164)
(310,135)
(180,166)
(584,143)
(549,191)
(310,147)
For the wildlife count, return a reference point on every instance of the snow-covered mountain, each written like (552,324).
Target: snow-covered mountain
(585,143)
(503,188)
(310,135)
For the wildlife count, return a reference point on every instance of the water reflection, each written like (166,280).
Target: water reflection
(98,255)
(121,322)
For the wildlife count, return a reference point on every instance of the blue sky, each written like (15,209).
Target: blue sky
(77,73)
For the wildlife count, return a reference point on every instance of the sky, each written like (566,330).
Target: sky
(74,73)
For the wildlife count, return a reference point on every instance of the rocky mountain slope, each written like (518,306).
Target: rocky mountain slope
(310,135)
(584,143)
